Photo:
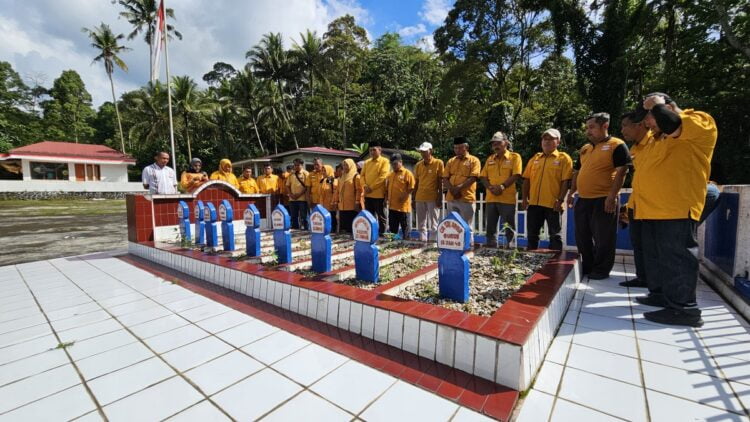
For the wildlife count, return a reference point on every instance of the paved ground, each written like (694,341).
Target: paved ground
(93,337)
(608,363)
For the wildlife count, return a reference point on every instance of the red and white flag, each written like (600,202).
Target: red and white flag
(158,41)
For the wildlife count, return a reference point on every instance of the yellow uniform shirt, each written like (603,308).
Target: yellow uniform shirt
(637,149)
(427,176)
(672,173)
(351,197)
(545,173)
(283,187)
(248,185)
(457,170)
(295,184)
(315,182)
(374,173)
(598,167)
(329,193)
(268,183)
(400,182)
(499,169)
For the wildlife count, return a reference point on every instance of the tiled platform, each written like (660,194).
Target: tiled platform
(140,348)
(608,363)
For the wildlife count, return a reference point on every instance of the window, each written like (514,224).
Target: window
(49,171)
(93,172)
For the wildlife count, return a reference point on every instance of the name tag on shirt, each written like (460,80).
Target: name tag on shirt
(606,148)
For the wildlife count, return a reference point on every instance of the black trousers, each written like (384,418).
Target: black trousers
(636,239)
(670,250)
(596,235)
(376,207)
(298,214)
(536,215)
(346,218)
(398,219)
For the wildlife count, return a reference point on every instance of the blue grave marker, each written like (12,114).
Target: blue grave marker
(226,215)
(365,233)
(252,230)
(200,225)
(209,217)
(320,226)
(453,239)
(282,237)
(183,220)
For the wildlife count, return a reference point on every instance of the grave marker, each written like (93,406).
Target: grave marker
(209,217)
(183,221)
(252,230)
(226,215)
(366,254)
(200,225)
(320,226)
(453,239)
(282,236)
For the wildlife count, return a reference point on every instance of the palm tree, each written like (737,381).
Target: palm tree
(189,102)
(106,42)
(142,15)
(247,93)
(309,55)
(270,60)
(148,106)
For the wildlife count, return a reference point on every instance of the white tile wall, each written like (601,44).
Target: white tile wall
(485,357)
(465,343)
(343,316)
(381,325)
(355,317)
(508,370)
(304,297)
(444,346)
(322,312)
(332,317)
(427,339)
(312,303)
(411,335)
(395,329)
(294,299)
(368,321)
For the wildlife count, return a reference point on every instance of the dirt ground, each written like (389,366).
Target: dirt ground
(36,230)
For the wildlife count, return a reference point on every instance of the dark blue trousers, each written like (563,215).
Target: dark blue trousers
(298,214)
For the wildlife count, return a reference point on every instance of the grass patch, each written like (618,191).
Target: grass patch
(66,207)
(65,345)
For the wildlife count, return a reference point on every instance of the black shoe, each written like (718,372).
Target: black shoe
(651,300)
(596,276)
(634,283)
(674,317)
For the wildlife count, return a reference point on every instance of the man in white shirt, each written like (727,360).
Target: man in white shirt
(158,178)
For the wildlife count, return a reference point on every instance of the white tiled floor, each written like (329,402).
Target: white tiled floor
(608,363)
(141,348)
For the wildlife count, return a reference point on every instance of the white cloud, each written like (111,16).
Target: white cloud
(435,11)
(409,31)
(45,35)
(426,43)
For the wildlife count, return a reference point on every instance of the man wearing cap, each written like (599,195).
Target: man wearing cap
(669,193)
(546,181)
(399,186)
(429,196)
(317,181)
(602,166)
(499,175)
(374,173)
(460,179)
(268,182)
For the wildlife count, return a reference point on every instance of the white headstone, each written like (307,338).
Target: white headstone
(197,212)
(317,222)
(450,235)
(249,217)
(362,229)
(222,212)
(277,220)
(206,214)
(180,214)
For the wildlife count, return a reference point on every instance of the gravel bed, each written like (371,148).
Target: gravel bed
(397,269)
(494,275)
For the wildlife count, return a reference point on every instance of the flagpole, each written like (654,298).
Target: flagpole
(169,88)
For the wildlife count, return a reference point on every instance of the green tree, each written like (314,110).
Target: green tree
(309,56)
(107,44)
(67,115)
(190,103)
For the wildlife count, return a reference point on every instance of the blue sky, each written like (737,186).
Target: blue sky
(41,38)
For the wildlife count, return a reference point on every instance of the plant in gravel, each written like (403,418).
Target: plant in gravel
(274,260)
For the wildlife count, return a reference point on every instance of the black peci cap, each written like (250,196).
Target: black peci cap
(459,140)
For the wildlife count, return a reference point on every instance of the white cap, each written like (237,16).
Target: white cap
(499,137)
(553,133)
(426,146)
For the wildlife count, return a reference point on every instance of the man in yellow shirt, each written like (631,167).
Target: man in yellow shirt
(669,193)
(603,164)
(296,185)
(399,186)
(317,181)
(374,173)
(428,175)
(499,175)
(460,180)
(246,181)
(546,181)
(268,182)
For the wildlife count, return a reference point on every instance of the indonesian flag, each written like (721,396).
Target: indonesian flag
(158,40)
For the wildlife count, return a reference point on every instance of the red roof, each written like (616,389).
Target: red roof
(73,151)
(315,150)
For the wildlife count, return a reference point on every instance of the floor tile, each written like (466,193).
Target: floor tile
(34,388)
(247,333)
(141,305)
(675,336)
(223,371)
(275,347)
(203,412)
(548,379)
(307,406)
(664,407)
(112,360)
(65,405)
(735,369)
(32,365)
(603,394)
(21,323)
(536,407)
(353,386)
(557,352)
(154,403)
(224,321)
(159,326)
(466,415)
(604,363)
(80,320)
(88,331)
(175,338)
(194,354)
(253,397)
(73,311)
(205,311)
(614,343)
(126,381)
(604,323)
(309,364)
(407,402)
(139,317)
(103,343)
(120,299)
(15,314)
(566,411)
(27,348)
(25,334)
(188,303)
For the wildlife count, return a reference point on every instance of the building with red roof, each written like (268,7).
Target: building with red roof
(329,156)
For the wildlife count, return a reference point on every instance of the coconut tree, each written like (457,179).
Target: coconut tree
(107,44)
(247,94)
(142,15)
(308,55)
(190,103)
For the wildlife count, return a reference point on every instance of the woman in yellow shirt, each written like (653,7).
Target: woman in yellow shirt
(225,173)
(350,200)
(194,176)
